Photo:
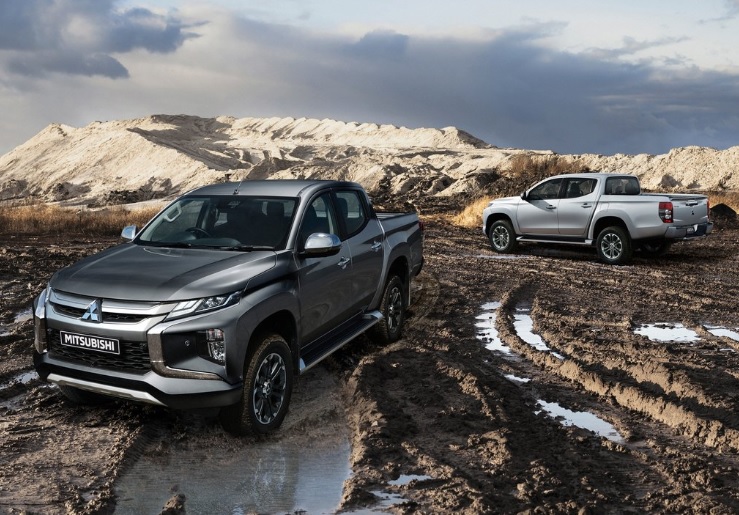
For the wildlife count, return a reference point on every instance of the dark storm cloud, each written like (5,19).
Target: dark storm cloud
(78,36)
(509,89)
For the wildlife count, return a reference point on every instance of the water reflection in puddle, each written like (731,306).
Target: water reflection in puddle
(524,326)
(517,379)
(253,478)
(667,332)
(22,378)
(486,331)
(723,332)
(24,316)
(582,419)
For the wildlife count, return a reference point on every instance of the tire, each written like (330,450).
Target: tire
(655,248)
(614,246)
(502,238)
(268,383)
(392,307)
(83,397)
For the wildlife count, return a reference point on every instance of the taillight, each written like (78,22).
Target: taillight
(420,226)
(665,212)
(708,208)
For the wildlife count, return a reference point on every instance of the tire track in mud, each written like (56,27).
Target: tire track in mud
(623,388)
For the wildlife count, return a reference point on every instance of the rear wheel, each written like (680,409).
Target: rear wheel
(614,246)
(392,307)
(502,237)
(268,382)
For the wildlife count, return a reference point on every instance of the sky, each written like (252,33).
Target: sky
(572,76)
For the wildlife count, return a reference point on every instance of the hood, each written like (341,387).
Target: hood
(157,274)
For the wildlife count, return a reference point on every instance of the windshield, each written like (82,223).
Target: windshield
(226,222)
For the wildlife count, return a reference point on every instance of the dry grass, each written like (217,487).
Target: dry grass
(45,219)
(730,198)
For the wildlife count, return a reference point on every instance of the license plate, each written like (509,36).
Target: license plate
(88,342)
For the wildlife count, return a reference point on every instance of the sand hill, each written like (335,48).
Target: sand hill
(161,156)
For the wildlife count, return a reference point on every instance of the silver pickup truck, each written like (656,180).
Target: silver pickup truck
(227,294)
(601,209)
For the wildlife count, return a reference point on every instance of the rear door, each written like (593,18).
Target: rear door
(364,235)
(577,205)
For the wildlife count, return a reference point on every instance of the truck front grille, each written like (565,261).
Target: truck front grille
(134,356)
(72,312)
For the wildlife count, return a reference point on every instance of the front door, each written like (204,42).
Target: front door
(326,295)
(537,215)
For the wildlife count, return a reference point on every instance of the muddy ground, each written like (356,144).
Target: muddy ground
(439,405)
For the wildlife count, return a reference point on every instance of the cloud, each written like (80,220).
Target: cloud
(79,37)
(506,86)
(509,89)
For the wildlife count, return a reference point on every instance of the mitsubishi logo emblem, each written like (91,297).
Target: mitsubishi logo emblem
(94,312)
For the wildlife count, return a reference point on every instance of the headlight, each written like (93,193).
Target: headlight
(39,321)
(197,306)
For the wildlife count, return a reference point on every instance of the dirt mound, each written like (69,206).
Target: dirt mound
(162,156)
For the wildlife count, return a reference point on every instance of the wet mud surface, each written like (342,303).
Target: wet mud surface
(455,417)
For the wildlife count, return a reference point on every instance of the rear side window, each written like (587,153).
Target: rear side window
(579,187)
(622,186)
(351,211)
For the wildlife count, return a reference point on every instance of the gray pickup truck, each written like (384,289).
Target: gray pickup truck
(226,295)
(608,211)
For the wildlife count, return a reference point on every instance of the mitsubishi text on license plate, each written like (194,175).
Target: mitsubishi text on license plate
(85,341)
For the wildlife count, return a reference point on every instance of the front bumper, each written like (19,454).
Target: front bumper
(160,362)
(149,388)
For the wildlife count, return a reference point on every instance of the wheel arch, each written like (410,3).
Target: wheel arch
(401,268)
(494,217)
(608,221)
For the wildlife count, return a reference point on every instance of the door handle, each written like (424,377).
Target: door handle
(376,246)
(586,206)
(551,207)
(343,262)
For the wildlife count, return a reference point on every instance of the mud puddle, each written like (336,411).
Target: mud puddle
(667,332)
(583,419)
(301,468)
(524,327)
(278,477)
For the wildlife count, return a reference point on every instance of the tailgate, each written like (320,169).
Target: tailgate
(689,209)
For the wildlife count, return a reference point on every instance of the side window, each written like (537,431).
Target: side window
(318,217)
(622,186)
(351,211)
(579,187)
(546,191)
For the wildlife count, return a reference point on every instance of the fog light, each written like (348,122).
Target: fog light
(216,345)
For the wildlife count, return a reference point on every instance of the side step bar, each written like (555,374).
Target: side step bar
(324,347)
(577,241)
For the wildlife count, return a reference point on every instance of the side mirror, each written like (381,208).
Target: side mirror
(524,196)
(129,232)
(321,244)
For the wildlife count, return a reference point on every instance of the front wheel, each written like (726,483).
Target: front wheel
(392,308)
(614,246)
(268,382)
(502,237)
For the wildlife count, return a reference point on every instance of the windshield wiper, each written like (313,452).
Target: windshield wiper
(247,248)
(167,244)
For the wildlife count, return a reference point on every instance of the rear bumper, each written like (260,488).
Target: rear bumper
(689,231)
(150,387)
